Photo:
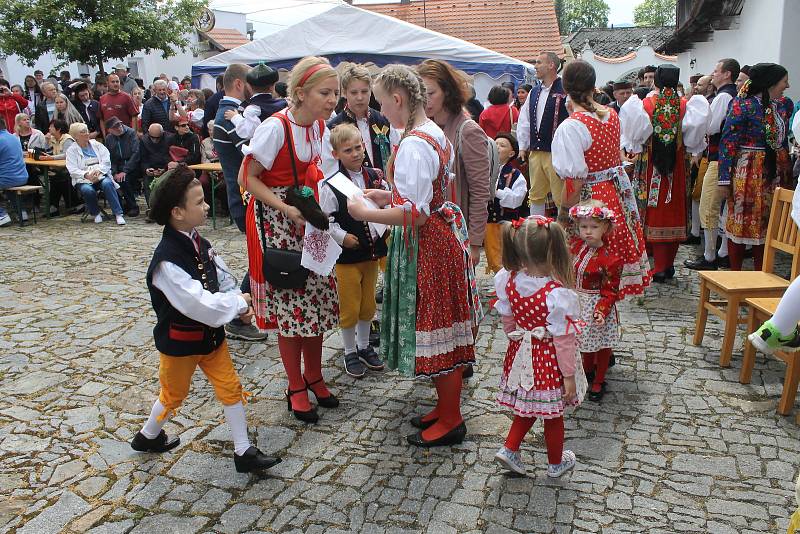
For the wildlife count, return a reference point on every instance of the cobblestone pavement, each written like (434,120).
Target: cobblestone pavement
(677,445)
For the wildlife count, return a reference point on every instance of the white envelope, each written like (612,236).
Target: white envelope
(345,186)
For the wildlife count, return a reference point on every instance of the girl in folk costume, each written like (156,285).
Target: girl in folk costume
(597,277)
(430,307)
(754,158)
(586,156)
(285,150)
(671,126)
(509,199)
(541,375)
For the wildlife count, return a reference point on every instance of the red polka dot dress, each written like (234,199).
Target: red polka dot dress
(537,304)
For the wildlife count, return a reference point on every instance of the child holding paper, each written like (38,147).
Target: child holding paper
(357,266)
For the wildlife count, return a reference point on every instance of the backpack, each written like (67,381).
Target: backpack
(491,154)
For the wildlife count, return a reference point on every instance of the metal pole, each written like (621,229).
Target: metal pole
(424,15)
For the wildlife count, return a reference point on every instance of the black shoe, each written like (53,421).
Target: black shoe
(253,460)
(467,372)
(723,262)
(692,240)
(133,212)
(370,358)
(701,264)
(375,333)
(590,376)
(670,273)
(663,276)
(160,443)
(326,402)
(453,437)
(417,422)
(310,416)
(597,396)
(353,365)
(611,362)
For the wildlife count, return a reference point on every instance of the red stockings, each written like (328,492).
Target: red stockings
(597,362)
(448,405)
(291,349)
(553,436)
(663,257)
(736,255)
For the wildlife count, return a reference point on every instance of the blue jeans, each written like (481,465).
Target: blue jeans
(89,194)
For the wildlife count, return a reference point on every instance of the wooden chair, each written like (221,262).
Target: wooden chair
(733,287)
(20,192)
(761,309)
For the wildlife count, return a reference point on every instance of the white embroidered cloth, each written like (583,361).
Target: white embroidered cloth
(320,251)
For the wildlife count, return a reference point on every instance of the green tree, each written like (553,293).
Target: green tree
(562,23)
(655,13)
(93,31)
(584,14)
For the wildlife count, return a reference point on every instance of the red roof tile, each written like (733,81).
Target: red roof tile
(498,25)
(225,38)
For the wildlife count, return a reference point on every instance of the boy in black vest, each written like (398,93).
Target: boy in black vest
(184,281)
(357,267)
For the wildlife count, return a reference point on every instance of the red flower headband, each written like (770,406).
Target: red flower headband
(592,212)
(538,219)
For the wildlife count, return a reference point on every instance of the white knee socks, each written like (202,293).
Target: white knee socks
(695,231)
(362,334)
(153,426)
(787,313)
(709,251)
(537,209)
(234,415)
(723,248)
(349,339)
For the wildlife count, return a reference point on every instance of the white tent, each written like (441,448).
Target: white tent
(349,33)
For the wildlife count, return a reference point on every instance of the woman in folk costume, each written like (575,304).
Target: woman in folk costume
(670,126)
(430,305)
(586,155)
(286,150)
(754,158)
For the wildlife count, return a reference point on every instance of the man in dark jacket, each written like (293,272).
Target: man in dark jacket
(153,155)
(123,145)
(156,109)
(212,104)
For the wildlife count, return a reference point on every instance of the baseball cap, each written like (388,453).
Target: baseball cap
(113,122)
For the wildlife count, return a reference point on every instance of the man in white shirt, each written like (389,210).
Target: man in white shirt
(539,117)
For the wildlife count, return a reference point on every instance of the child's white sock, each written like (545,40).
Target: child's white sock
(153,426)
(537,209)
(234,415)
(710,244)
(695,218)
(362,334)
(349,339)
(723,248)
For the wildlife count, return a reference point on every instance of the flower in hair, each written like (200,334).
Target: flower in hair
(592,212)
(540,220)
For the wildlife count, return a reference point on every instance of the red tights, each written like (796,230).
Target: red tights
(291,349)
(553,436)
(736,255)
(448,405)
(597,362)
(663,256)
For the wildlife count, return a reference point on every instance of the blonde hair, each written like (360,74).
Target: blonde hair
(344,133)
(70,115)
(77,127)
(299,71)
(541,245)
(350,72)
(17,118)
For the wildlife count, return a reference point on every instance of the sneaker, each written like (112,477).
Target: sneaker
(245,332)
(768,339)
(353,365)
(98,218)
(120,220)
(370,358)
(5,220)
(567,463)
(510,460)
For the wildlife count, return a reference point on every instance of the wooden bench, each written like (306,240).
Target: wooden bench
(761,309)
(23,191)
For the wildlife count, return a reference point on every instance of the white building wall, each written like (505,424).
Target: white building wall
(766,31)
(605,71)
(145,66)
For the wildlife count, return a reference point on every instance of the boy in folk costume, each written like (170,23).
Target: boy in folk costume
(357,267)
(374,127)
(184,280)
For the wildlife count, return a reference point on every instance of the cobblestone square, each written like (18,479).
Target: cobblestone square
(677,444)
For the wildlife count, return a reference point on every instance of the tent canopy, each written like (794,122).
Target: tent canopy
(348,33)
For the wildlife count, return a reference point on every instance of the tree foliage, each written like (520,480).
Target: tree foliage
(93,31)
(655,13)
(579,14)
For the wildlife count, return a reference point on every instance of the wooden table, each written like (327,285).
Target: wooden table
(53,164)
(211,167)
(759,310)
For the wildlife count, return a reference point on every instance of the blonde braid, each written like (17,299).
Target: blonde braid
(401,77)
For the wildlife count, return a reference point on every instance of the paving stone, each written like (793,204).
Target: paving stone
(169,523)
(55,517)
(238,518)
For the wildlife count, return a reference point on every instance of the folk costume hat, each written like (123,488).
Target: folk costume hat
(763,76)
(667,76)
(262,76)
(601,213)
(622,84)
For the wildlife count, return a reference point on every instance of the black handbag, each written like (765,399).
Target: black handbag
(281,267)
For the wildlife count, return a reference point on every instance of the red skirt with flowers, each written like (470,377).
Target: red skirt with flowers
(303,312)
